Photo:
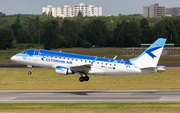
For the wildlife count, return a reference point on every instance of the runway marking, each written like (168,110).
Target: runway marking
(12,98)
(170,98)
(38,93)
(111,93)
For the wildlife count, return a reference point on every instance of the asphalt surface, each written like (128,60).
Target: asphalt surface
(88,96)
(25,66)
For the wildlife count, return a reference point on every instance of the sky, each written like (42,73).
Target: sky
(109,7)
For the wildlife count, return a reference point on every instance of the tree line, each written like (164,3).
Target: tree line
(111,31)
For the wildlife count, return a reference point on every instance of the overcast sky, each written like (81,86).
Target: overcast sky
(109,7)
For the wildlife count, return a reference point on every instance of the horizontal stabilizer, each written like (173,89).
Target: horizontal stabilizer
(156,69)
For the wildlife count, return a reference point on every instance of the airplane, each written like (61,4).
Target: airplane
(68,63)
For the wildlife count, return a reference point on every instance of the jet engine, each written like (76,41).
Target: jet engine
(63,70)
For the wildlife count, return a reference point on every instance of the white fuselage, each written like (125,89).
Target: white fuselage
(98,67)
(66,63)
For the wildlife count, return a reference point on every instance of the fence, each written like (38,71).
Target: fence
(166,51)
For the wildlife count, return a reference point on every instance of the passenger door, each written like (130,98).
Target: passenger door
(36,55)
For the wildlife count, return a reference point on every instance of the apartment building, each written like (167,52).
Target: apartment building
(67,11)
(173,11)
(153,10)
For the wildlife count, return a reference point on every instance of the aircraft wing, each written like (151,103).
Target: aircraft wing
(81,68)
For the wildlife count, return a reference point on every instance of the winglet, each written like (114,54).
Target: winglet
(94,60)
(115,57)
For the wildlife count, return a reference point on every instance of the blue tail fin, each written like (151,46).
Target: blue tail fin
(150,57)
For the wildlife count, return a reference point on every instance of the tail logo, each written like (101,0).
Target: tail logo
(149,52)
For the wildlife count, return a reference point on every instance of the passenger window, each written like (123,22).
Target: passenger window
(81,60)
(97,62)
(68,58)
(51,56)
(114,64)
(102,63)
(110,64)
(106,63)
(59,57)
(43,55)
(89,61)
(85,60)
(55,56)
(76,59)
(64,57)
(47,56)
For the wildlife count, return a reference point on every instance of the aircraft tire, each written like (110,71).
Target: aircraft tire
(29,72)
(86,78)
(81,79)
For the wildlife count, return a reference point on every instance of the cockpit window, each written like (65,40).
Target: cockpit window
(24,52)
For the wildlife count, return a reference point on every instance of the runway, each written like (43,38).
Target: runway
(88,96)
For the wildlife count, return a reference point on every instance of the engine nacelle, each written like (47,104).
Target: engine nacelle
(62,70)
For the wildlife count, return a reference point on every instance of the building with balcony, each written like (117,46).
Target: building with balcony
(67,11)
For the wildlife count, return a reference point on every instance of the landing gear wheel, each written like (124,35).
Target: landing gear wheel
(86,78)
(81,79)
(30,67)
(29,72)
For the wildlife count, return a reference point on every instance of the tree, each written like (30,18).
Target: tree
(16,26)
(158,31)
(96,32)
(38,29)
(51,34)
(23,36)
(50,13)
(6,38)
(80,13)
(69,30)
(18,19)
(117,39)
(144,23)
(145,31)
(126,34)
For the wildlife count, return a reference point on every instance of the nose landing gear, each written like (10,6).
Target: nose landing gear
(29,72)
(30,67)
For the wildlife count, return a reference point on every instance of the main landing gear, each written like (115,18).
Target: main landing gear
(83,78)
(30,67)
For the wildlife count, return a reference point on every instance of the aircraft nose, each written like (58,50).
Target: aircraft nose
(13,58)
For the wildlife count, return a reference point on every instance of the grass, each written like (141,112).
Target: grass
(91,107)
(46,79)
